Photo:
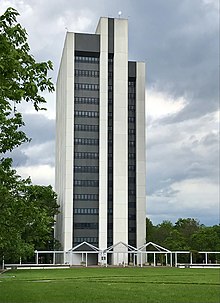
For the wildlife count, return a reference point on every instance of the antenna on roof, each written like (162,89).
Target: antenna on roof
(119,14)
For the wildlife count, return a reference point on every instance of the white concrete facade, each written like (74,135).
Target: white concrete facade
(65,141)
(102,29)
(64,144)
(120,136)
(140,155)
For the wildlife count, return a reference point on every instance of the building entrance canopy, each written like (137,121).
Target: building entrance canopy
(121,254)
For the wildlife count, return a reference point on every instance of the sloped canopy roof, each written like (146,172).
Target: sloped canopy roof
(84,246)
(121,245)
(155,246)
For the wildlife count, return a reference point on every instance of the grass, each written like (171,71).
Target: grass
(151,285)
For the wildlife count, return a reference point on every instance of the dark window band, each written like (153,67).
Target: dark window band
(86,183)
(86,114)
(86,127)
(86,155)
(86,141)
(85,197)
(83,59)
(86,73)
(86,169)
(86,211)
(86,86)
(86,100)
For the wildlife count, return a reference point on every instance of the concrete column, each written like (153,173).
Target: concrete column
(120,135)
(64,144)
(140,155)
(102,29)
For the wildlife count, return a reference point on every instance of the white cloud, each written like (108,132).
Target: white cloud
(195,198)
(41,153)
(50,112)
(40,174)
(180,44)
(214,3)
(183,170)
(161,104)
(79,23)
(10,3)
(198,194)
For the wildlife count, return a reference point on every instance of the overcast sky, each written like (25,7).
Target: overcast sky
(179,41)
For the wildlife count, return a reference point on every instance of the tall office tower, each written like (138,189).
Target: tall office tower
(100,139)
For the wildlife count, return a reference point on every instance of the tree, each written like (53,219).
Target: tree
(187,234)
(11,205)
(206,239)
(187,227)
(27,215)
(162,231)
(27,211)
(43,197)
(175,241)
(149,230)
(21,79)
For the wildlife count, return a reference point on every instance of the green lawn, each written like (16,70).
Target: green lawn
(110,285)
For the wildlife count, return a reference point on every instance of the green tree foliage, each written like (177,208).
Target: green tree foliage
(175,241)
(44,198)
(27,214)
(26,211)
(162,231)
(21,79)
(185,234)
(149,230)
(187,227)
(206,239)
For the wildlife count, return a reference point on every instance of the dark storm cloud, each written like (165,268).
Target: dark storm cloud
(41,154)
(211,139)
(179,40)
(18,156)
(206,216)
(41,148)
(182,152)
(39,128)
